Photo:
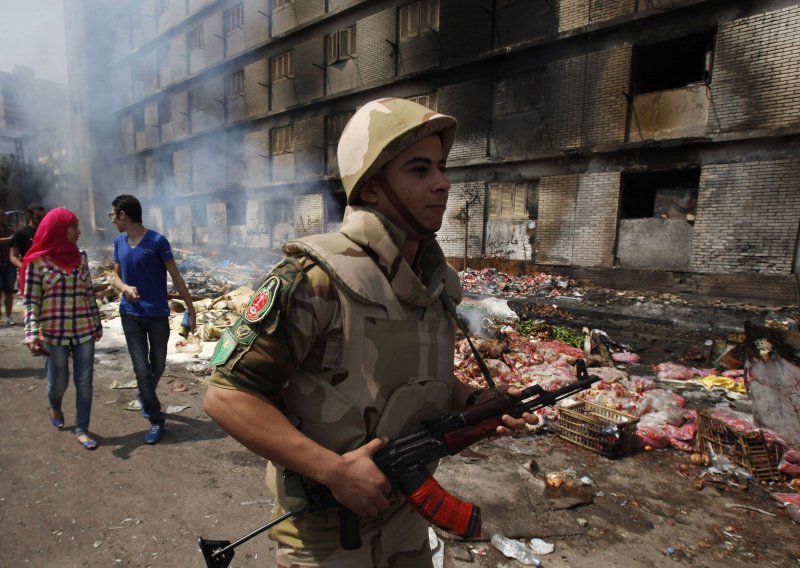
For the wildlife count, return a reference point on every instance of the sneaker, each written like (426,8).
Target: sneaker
(10,321)
(154,434)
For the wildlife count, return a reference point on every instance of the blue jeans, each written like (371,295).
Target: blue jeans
(58,378)
(147,340)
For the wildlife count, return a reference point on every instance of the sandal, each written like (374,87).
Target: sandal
(87,442)
(56,418)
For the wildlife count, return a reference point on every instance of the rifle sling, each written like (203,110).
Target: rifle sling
(448,304)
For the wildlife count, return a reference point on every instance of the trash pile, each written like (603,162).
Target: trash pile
(492,282)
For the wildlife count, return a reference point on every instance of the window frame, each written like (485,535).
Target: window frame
(234,84)
(281,140)
(282,66)
(417,19)
(195,39)
(334,52)
(195,96)
(519,196)
(233,19)
(164,109)
(425,100)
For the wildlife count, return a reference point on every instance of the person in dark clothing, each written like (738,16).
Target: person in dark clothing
(8,274)
(22,240)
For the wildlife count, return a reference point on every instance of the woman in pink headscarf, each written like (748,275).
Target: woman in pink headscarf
(61,315)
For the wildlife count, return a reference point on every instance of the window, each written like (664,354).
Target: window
(520,93)
(517,201)
(234,84)
(163,56)
(334,126)
(664,194)
(194,39)
(161,7)
(195,99)
(282,67)
(165,111)
(281,211)
(419,18)
(674,64)
(281,141)
(233,19)
(138,120)
(341,45)
(426,100)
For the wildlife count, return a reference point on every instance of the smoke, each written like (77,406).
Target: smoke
(32,34)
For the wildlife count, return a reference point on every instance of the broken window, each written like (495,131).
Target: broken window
(138,120)
(665,194)
(519,93)
(673,64)
(513,201)
(281,211)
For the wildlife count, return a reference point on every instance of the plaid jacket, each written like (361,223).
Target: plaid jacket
(60,307)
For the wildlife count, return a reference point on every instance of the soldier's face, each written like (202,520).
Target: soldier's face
(417,177)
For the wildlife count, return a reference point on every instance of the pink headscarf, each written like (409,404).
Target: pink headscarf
(51,240)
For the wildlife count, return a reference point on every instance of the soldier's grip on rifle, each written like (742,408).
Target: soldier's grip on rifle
(511,425)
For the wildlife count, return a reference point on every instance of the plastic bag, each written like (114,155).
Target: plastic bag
(191,345)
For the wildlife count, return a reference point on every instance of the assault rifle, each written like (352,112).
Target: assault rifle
(404,462)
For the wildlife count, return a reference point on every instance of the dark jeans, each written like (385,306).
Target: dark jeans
(147,340)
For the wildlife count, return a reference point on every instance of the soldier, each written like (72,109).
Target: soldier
(346,343)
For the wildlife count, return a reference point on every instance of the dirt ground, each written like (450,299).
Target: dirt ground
(129,504)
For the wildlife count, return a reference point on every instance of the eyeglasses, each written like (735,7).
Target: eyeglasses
(112,215)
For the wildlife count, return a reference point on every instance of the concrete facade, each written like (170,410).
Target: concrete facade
(235,102)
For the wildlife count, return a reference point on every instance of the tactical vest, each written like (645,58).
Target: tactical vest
(397,357)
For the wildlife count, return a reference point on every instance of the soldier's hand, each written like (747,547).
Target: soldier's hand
(513,425)
(358,484)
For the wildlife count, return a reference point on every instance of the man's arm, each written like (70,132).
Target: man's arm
(183,290)
(130,292)
(5,240)
(353,478)
(15,256)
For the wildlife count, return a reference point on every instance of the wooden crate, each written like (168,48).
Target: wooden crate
(748,450)
(598,428)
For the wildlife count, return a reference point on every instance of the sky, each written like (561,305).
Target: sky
(32,34)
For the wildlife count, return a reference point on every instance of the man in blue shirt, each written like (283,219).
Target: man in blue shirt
(142,259)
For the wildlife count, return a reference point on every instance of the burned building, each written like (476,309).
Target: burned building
(635,142)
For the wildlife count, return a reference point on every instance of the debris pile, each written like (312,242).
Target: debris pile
(492,282)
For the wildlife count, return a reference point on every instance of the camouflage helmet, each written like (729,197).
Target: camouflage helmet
(379,131)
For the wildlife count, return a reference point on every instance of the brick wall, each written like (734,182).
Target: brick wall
(374,61)
(756,75)
(577,13)
(309,147)
(451,235)
(309,215)
(747,218)
(584,104)
(556,223)
(308,77)
(471,104)
(577,219)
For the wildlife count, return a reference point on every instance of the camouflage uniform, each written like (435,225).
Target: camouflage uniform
(351,343)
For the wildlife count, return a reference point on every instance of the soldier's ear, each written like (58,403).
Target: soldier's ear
(369,191)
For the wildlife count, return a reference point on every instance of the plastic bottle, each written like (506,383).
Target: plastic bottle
(184,330)
(515,549)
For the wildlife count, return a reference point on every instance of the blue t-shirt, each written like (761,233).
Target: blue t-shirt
(143,266)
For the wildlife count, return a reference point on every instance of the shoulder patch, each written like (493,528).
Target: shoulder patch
(262,301)
(225,346)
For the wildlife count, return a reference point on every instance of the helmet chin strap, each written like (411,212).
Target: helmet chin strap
(402,209)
